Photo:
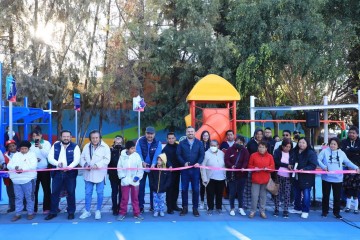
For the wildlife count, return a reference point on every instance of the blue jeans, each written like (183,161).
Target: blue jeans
(142,192)
(61,179)
(89,186)
(304,203)
(192,176)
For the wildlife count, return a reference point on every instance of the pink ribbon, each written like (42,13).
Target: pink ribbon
(188,167)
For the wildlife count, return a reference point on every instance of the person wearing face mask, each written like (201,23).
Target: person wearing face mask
(214,180)
(115,182)
(237,157)
(332,159)
(351,147)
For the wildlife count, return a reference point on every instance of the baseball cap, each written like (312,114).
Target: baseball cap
(150,129)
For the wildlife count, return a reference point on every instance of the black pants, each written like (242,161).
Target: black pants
(326,188)
(172,193)
(202,191)
(215,190)
(11,195)
(45,180)
(237,186)
(115,193)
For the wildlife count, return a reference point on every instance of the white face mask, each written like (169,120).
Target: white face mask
(213,149)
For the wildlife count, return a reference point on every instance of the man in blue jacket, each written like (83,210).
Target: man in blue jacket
(149,149)
(190,152)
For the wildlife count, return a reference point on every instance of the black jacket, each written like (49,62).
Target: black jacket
(159,181)
(271,144)
(170,151)
(252,146)
(115,155)
(278,156)
(307,160)
(352,152)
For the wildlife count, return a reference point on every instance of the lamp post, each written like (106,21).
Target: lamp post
(2,57)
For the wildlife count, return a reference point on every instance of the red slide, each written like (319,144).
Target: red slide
(216,121)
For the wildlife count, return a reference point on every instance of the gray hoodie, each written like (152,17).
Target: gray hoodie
(338,158)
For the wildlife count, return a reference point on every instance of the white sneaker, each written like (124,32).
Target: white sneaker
(295,211)
(156,214)
(97,215)
(242,212)
(304,215)
(162,214)
(202,206)
(232,212)
(85,214)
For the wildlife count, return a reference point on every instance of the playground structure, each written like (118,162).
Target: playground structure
(213,89)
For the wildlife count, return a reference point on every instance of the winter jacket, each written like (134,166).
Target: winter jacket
(352,151)
(114,159)
(159,180)
(192,155)
(333,161)
(127,175)
(170,151)
(99,157)
(213,160)
(307,160)
(230,159)
(278,156)
(27,161)
(261,161)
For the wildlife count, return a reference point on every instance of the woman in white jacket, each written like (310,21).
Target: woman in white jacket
(214,180)
(130,172)
(23,174)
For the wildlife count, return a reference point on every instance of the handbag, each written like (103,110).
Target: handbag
(272,187)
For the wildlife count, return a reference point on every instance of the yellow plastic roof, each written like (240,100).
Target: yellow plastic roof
(213,88)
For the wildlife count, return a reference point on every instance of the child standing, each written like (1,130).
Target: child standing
(160,181)
(130,179)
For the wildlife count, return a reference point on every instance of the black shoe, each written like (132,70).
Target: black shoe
(184,211)
(71,216)
(196,212)
(151,209)
(276,213)
(178,209)
(10,210)
(142,210)
(169,211)
(356,211)
(50,216)
(286,214)
(347,210)
(324,215)
(338,216)
(115,213)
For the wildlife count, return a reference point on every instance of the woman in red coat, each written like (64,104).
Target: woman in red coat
(263,162)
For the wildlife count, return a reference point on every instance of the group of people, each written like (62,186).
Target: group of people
(241,170)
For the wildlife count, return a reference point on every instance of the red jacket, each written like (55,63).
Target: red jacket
(261,161)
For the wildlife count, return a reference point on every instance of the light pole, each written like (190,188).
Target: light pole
(2,57)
